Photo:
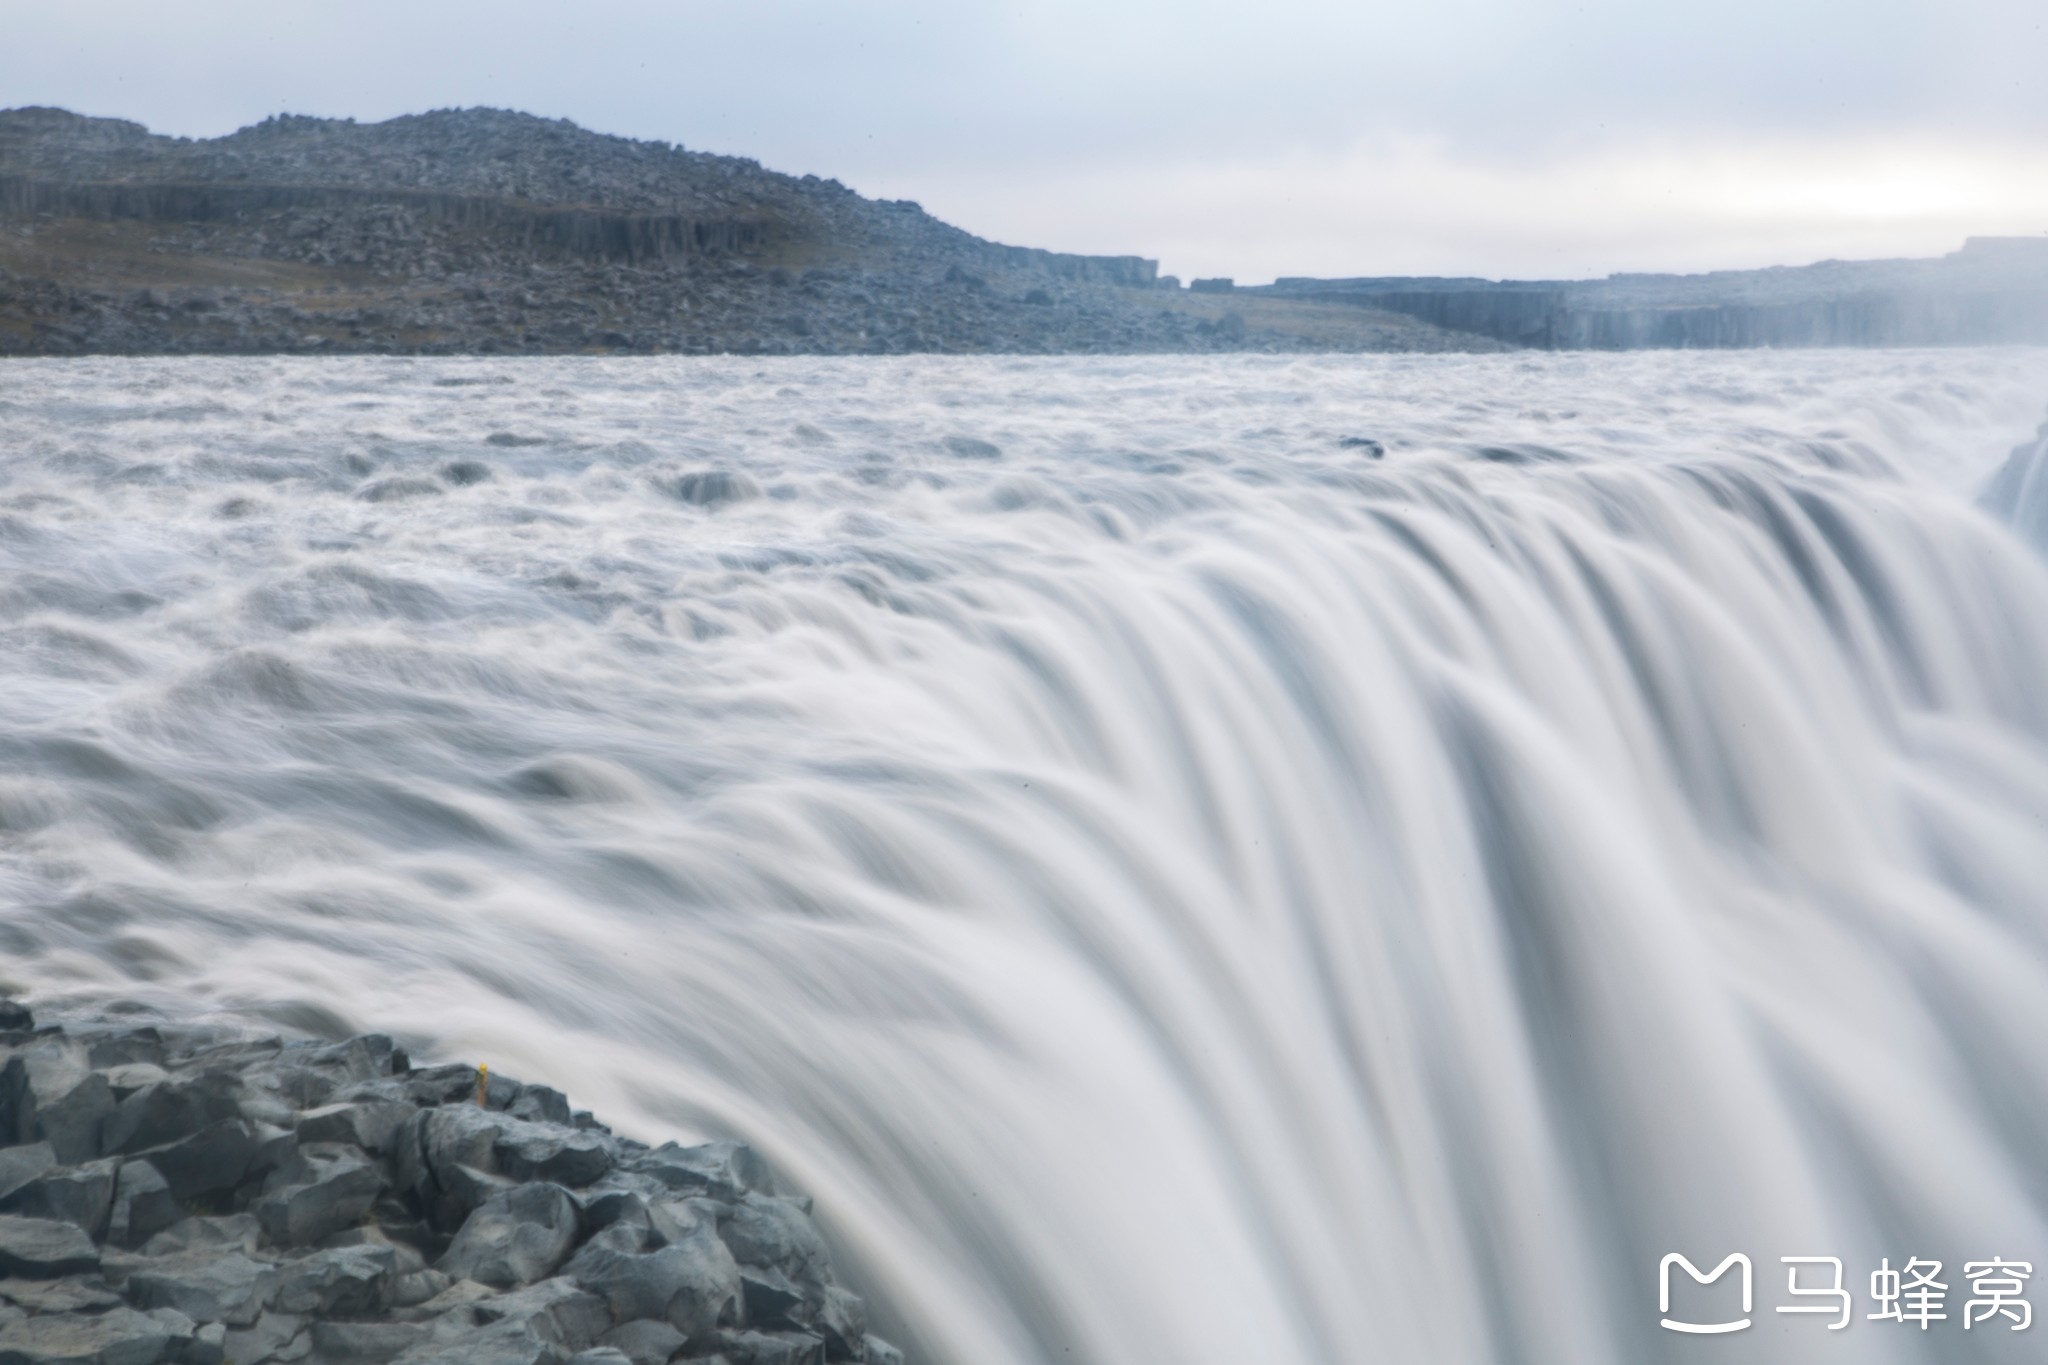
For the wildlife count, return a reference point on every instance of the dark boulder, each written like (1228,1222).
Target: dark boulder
(324,1188)
(516,1238)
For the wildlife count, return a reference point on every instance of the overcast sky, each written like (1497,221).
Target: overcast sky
(1315,137)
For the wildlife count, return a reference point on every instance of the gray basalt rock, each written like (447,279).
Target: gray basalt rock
(534,1151)
(601,1355)
(694,1285)
(42,1249)
(880,1352)
(365,1341)
(774,1233)
(275,1336)
(83,1195)
(126,1078)
(843,1321)
(724,1170)
(232,1232)
(323,1189)
(22,1164)
(75,1295)
(143,1205)
(504,1343)
(207,1286)
(772,1348)
(516,1238)
(344,1188)
(211,1161)
(117,1047)
(120,1336)
(645,1342)
(172,1109)
(50,1093)
(369,1124)
(345,1282)
(556,1309)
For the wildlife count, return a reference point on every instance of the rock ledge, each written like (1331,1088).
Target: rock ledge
(172,1197)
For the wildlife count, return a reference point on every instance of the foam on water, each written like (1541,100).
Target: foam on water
(1172,885)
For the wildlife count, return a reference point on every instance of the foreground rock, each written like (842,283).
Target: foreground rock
(173,1198)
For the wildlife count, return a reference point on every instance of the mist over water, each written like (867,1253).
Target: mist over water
(1173,886)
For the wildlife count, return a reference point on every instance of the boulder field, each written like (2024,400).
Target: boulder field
(173,1196)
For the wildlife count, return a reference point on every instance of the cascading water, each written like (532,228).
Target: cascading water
(1173,887)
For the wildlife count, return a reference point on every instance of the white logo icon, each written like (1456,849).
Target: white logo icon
(1736,1258)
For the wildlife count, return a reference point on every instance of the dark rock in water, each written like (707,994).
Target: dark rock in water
(516,1238)
(713,487)
(880,1352)
(1373,449)
(323,1189)
(16,1018)
(206,1286)
(81,1195)
(49,1093)
(973,448)
(397,488)
(41,1248)
(463,473)
(143,1205)
(120,1336)
(20,1165)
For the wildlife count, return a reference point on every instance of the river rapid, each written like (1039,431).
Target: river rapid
(1174,880)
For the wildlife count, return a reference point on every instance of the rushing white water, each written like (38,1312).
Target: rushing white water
(1174,887)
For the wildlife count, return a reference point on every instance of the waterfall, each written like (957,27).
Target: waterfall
(1170,888)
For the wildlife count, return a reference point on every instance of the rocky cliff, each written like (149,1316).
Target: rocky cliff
(1992,292)
(489,231)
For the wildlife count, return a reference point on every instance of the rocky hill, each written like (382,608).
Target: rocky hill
(482,230)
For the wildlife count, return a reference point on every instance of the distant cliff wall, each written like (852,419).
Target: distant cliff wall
(568,231)
(1577,317)
(1131,272)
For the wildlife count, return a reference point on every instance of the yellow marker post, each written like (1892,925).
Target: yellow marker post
(483,1085)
